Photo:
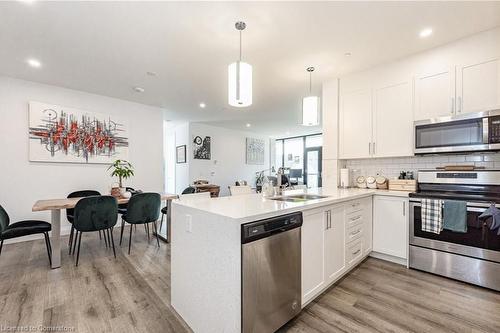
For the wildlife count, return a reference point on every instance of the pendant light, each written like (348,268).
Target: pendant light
(310,105)
(240,79)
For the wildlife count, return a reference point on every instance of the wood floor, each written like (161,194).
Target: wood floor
(132,294)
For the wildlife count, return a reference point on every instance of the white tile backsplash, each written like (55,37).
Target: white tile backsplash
(391,167)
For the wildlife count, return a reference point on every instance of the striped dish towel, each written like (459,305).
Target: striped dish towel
(432,215)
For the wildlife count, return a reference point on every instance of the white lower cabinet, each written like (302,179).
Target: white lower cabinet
(333,241)
(313,252)
(390,226)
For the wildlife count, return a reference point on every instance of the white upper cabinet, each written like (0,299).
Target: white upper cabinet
(478,86)
(435,94)
(393,120)
(356,124)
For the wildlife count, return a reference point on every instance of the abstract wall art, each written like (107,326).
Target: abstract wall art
(255,151)
(201,148)
(68,135)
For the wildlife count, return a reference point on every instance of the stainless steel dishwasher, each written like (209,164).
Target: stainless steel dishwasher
(271,272)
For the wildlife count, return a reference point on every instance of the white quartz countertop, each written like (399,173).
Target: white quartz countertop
(251,207)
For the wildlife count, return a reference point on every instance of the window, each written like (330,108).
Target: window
(292,154)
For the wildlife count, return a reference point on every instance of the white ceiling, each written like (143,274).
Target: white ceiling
(107,48)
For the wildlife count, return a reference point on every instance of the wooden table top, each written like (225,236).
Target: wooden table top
(65,203)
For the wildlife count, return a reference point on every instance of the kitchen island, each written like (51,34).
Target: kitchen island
(206,252)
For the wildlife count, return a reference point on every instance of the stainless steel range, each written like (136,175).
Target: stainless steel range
(473,256)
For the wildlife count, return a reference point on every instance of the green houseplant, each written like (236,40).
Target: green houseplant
(121,169)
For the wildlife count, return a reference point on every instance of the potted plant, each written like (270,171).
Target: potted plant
(123,170)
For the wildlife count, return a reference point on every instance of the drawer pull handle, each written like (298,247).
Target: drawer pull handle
(354,253)
(355,218)
(355,204)
(355,232)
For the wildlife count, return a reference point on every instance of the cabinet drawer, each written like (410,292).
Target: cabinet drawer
(353,206)
(353,233)
(354,252)
(353,219)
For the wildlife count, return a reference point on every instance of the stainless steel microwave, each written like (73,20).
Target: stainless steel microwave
(454,134)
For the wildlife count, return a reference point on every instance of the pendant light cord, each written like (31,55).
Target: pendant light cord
(310,82)
(240,45)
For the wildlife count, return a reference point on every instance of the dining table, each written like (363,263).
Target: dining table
(56,205)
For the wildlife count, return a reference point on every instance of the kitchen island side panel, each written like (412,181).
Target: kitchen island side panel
(206,270)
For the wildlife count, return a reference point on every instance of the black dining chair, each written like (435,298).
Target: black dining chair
(187,190)
(96,213)
(70,212)
(24,228)
(143,208)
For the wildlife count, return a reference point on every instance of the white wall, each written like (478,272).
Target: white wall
(228,162)
(23,182)
(181,135)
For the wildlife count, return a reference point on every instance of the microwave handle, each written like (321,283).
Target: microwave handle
(486,130)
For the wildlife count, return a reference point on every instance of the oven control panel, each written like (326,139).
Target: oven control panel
(494,129)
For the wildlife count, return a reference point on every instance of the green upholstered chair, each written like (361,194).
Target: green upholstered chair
(70,212)
(96,213)
(143,208)
(23,228)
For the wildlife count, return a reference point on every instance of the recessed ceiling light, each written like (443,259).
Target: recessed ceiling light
(348,54)
(425,33)
(202,105)
(248,125)
(139,89)
(34,63)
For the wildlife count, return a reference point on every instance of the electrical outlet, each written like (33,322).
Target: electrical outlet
(189,223)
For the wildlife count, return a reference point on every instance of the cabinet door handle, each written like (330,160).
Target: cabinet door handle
(459,104)
(374,150)
(329,219)
(326,215)
(354,253)
(369,148)
(404,209)
(355,232)
(452,105)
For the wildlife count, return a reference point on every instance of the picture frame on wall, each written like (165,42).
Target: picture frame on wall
(180,154)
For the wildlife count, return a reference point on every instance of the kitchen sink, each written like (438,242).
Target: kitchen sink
(299,197)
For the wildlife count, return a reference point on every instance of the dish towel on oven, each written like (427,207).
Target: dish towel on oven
(455,216)
(493,213)
(432,215)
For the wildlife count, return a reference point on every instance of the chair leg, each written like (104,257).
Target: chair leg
(161,221)
(130,239)
(74,243)
(156,231)
(1,245)
(121,231)
(71,236)
(100,237)
(110,231)
(105,239)
(47,245)
(109,237)
(147,227)
(78,252)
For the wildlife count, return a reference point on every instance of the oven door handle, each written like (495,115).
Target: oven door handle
(470,207)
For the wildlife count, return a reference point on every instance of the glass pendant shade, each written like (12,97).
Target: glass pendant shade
(240,84)
(310,111)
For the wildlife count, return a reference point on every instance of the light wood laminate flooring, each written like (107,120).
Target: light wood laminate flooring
(132,294)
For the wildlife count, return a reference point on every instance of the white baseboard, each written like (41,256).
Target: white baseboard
(388,257)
